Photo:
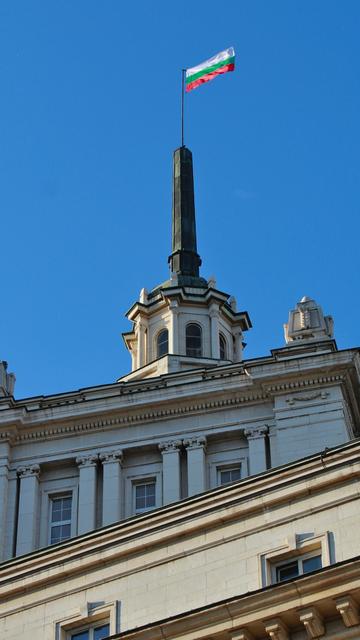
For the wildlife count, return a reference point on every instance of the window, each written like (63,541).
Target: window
(95,632)
(222,347)
(60,518)
(162,343)
(229,475)
(145,496)
(193,340)
(297,567)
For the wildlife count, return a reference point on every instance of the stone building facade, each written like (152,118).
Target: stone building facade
(196,489)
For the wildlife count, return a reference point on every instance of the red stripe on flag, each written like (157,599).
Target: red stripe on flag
(209,76)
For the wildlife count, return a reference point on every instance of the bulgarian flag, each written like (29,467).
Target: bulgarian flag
(208,70)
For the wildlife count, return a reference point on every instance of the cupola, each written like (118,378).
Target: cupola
(186,322)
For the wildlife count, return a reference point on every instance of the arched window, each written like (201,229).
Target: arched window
(193,340)
(222,347)
(162,343)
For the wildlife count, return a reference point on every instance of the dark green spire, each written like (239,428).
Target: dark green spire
(184,260)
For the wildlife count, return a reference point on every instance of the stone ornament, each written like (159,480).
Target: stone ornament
(87,460)
(240,634)
(170,446)
(28,470)
(195,442)
(349,610)
(313,622)
(307,322)
(112,456)
(257,432)
(276,629)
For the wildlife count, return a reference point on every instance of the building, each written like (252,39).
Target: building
(202,493)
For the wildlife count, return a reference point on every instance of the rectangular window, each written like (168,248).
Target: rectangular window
(229,475)
(298,567)
(60,518)
(92,633)
(145,496)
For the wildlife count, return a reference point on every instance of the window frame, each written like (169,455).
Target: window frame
(163,330)
(226,468)
(201,349)
(138,482)
(51,524)
(299,559)
(296,547)
(95,614)
(222,338)
(88,627)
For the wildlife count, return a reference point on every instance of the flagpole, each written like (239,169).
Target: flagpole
(182,104)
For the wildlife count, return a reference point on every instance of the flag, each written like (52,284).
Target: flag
(208,70)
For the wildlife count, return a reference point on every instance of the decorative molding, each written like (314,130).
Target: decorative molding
(110,457)
(139,418)
(276,629)
(256,432)
(300,384)
(313,622)
(195,442)
(170,446)
(87,460)
(240,634)
(28,470)
(349,610)
(307,398)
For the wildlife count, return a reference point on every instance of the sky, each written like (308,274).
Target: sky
(89,119)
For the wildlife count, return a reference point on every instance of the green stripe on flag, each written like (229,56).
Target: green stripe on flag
(207,70)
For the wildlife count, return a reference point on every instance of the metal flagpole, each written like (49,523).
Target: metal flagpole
(182,105)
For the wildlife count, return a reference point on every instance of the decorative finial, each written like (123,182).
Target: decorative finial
(308,323)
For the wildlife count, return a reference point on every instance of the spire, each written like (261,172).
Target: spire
(184,260)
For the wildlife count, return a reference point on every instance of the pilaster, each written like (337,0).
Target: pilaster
(171,470)
(112,489)
(195,448)
(174,327)
(28,508)
(87,492)
(257,449)
(214,318)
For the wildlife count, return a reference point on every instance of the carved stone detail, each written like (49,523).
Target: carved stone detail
(257,432)
(28,470)
(276,629)
(349,610)
(112,456)
(307,398)
(87,460)
(169,446)
(195,442)
(312,622)
(240,634)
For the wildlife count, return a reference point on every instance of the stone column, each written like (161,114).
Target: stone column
(171,470)
(215,347)
(87,493)
(257,449)
(111,461)
(237,335)
(196,464)
(141,343)
(28,509)
(4,470)
(174,327)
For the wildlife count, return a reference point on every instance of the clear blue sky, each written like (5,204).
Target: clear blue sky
(89,118)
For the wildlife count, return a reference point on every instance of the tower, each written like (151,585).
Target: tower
(186,322)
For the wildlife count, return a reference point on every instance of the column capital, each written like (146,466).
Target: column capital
(112,456)
(28,470)
(195,442)
(257,432)
(169,446)
(88,460)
